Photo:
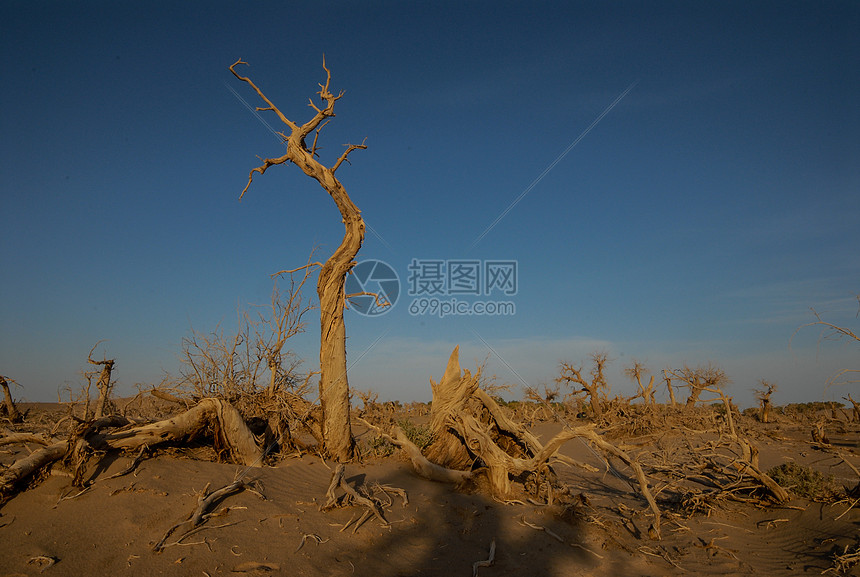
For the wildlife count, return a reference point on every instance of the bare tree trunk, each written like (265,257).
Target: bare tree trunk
(671,390)
(763,394)
(231,436)
(694,396)
(334,386)
(765,410)
(104,387)
(10,409)
(103,384)
(231,433)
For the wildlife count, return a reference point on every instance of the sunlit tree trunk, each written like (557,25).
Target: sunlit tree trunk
(334,385)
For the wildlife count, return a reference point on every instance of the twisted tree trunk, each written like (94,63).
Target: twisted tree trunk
(334,386)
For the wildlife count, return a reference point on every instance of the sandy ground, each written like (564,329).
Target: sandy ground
(111,528)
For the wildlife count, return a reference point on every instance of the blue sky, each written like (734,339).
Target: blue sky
(697,221)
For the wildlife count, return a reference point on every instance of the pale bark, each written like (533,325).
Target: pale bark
(334,385)
(25,467)
(420,464)
(231,431)
(669,387)
(450,396)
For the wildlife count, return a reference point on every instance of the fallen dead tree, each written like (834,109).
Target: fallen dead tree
(231,438)
(474,438)
(712,465)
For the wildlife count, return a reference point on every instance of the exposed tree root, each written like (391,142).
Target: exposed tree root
(351,495)
(199,515)
(488,562)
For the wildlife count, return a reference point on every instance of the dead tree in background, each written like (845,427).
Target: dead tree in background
(700,379)
(474,436)
(334,386)
(763,395)
(856,408)
(636,371)
(571,374)
(104,384)
(8,409)
(667,378)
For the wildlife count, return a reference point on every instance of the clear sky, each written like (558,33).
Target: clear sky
(696,218)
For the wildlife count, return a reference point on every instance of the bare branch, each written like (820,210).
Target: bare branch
(831,331)
(316,137)
(349,149)
(291,271)
(259,92)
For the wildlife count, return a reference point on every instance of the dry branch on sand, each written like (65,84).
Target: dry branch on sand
(204,502)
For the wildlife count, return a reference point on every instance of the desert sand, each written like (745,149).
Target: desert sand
(275,526)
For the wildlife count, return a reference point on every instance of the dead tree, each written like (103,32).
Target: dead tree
(104,384)
(8,409)
(596,387)
(334,386)
(763,395)
(473,436)
(700,379)
(856,406)
(636,371)
(667,378)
